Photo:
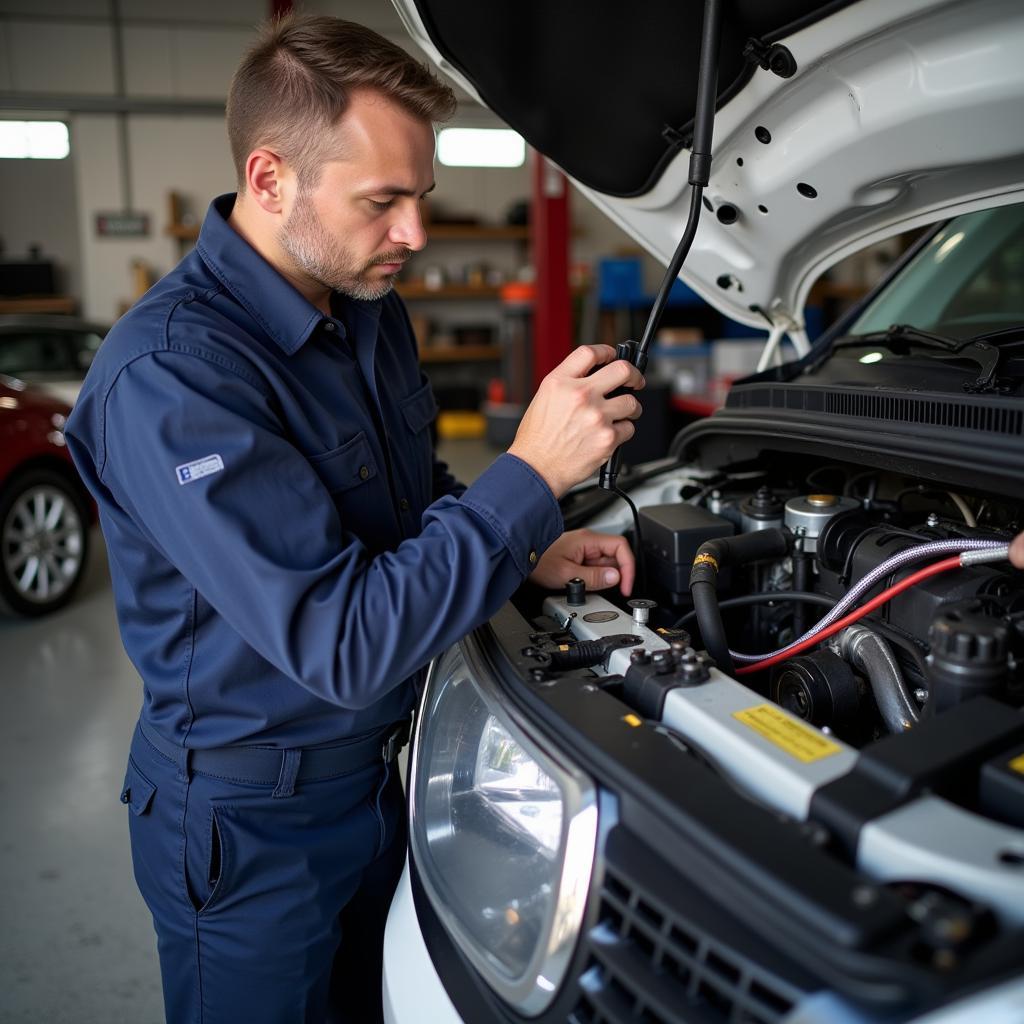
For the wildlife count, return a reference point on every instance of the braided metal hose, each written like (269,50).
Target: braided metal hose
(854,594)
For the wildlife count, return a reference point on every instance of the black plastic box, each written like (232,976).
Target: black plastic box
(671,536)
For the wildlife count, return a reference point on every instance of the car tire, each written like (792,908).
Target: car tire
(44,542)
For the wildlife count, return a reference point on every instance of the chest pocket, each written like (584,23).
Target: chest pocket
(346,467)
(418,411)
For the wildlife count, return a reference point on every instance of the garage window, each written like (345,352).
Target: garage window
(480,147)
(34,140)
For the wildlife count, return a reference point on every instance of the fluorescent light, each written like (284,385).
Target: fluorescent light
(480,147)
(34,140)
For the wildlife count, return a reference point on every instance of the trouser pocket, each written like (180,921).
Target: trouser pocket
(154,798)
(137,791)
(205,856)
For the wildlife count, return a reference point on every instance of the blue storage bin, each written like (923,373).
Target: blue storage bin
(620,281)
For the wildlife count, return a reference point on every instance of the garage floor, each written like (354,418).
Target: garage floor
(77,944)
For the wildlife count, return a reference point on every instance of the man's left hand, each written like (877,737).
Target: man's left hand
(600,559)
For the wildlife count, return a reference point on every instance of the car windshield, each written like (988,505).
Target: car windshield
(968,280)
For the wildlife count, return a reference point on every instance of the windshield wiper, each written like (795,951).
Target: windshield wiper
(1010,334)
(977,349)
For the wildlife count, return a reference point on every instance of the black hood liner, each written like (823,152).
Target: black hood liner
(593,85)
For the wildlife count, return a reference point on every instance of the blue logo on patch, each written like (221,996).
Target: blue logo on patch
(189,471)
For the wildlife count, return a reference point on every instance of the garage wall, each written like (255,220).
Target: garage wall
(183,52)
(187,154)
(37,207)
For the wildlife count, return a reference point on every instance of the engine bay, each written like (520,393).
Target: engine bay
(858,673)
(839,529)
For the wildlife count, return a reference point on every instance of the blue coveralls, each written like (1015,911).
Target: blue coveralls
(286,556)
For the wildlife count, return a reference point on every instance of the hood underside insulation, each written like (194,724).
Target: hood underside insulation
(604,89)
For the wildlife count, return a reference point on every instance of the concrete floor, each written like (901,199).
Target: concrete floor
(77,946)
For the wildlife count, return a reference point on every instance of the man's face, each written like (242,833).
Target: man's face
(355,227)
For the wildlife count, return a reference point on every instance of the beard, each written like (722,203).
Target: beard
(319,256)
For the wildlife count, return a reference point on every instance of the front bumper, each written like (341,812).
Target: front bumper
(413,992)
(703,905)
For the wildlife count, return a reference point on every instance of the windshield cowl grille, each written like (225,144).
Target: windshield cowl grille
(985,415)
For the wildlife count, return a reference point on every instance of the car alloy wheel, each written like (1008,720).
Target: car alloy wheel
(43,542)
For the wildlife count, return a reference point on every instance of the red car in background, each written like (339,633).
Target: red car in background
(45,511)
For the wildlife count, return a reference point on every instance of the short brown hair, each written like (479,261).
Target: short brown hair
(295,81)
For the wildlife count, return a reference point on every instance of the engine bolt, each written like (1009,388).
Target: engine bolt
(932,520)
(662,662)
(920,696)
(864,896)
(641,609)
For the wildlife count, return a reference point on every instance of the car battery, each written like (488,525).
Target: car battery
(672,535)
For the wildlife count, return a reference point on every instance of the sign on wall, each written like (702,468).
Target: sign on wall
(122,225)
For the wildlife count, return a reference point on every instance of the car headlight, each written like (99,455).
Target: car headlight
(502,834)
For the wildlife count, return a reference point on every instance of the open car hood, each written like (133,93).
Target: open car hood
(899,113)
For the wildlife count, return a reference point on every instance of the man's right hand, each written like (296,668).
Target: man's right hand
(570,427)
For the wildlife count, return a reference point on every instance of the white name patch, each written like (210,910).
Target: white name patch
(197,470)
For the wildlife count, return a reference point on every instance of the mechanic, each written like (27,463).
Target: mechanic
(286,552)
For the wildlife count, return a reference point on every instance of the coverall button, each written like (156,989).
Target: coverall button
(364,472)
(404,504)
(330,325)
(533,558)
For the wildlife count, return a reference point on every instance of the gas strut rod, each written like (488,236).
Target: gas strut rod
(700,172)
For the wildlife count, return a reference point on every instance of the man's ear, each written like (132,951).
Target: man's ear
(267,179)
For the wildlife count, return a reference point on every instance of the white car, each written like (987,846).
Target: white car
(788,785)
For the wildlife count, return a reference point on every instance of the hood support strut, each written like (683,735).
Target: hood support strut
(700,173)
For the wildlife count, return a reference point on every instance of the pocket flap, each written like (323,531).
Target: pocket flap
(347,466)
(420,408)
(137,791)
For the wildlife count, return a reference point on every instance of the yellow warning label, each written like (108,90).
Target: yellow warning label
(633,721)
(705,559)
(1017,764)
(801,741)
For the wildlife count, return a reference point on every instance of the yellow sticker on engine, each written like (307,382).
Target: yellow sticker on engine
(1017,764)
(803,742)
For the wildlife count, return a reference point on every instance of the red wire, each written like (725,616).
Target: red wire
(847,620)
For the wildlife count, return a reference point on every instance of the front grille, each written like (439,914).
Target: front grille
(648,964)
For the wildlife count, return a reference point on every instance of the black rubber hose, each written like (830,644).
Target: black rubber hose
(709,619)
(799,597)
(801,581)
(713,555)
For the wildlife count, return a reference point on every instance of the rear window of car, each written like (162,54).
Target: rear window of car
(39,352)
